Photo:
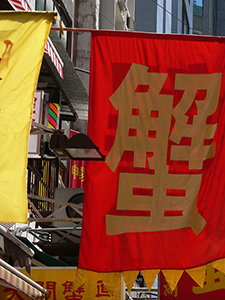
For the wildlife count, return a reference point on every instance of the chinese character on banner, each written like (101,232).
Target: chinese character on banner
(214,287)
(51,287)
(77,170)
(60,285)
(102,291)
(77,173)
(158,114)
(14,294)
(70,294)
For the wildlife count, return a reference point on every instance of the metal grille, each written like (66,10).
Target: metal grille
(42,178)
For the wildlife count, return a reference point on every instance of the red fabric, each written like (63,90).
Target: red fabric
(77,169)
(112,56)
(187,288)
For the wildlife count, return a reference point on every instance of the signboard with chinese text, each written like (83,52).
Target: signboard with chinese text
(59,283)
(157,113)
(77,173)
(77,170)
(186,289)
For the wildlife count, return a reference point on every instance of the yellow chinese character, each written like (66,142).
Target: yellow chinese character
(197,152)
(169,292)
(81,174)
(75,171)
(214,280)
(144,121)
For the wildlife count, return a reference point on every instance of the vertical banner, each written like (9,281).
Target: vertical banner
(77,173)
(77,170)
(157,112)
(22,41)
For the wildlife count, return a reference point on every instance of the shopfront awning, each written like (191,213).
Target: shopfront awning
(16,249)
(11,277)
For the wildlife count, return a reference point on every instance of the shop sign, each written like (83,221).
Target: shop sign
(59,283)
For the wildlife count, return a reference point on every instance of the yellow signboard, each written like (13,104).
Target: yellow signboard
(59,283)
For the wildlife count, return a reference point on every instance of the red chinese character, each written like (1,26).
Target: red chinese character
(80,289)
(14,294)
(102,291)
(51,287)
(74,297)
(68,286)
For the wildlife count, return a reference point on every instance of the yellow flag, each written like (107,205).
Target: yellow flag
(22,40)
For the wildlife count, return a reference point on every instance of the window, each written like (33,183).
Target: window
(198,7)
(40,5)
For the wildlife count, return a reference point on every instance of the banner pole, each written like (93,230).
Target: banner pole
(70,29)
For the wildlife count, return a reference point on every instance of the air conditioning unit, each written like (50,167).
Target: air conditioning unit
(68,195)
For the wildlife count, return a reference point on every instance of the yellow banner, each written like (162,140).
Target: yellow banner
(22,39)
(59,283)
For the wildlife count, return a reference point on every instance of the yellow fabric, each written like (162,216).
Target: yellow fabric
(112,280)
(129,278)
(149,277)
(219,265)
(198,274)
(107,284)
(22,39)
(82,276)
(172,277)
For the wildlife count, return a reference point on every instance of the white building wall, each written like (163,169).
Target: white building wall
(108,16)
(168,17)
(189,9)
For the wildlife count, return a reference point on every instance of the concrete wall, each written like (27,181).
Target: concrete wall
(96,14)
(108,16)
(87,17)
(69,5)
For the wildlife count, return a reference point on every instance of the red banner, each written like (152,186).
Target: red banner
(77,173)
(157,112)
(77,170)
(186,289)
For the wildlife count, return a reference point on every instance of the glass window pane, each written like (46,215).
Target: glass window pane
(49,5)
(40,5)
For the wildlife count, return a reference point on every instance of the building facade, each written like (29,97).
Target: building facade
(211,19)
(99,14)
(164,16)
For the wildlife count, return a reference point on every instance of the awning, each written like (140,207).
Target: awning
(44,258)
(9,276)
(16,249)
